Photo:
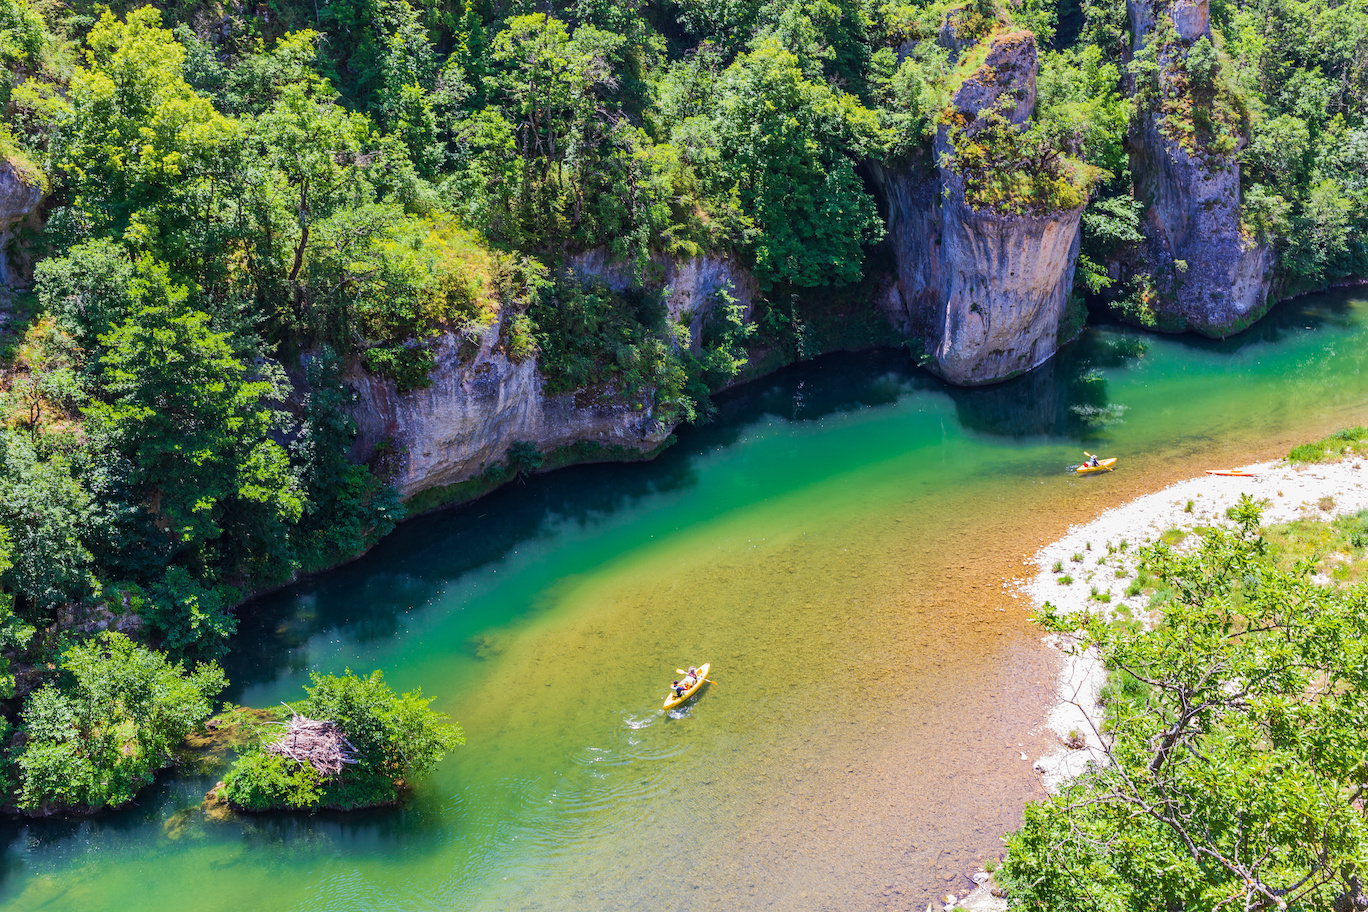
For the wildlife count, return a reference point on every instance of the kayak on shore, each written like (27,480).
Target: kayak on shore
(1239,473)
(1104,465)
(674,699)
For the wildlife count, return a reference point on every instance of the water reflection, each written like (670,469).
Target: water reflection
(1066,399)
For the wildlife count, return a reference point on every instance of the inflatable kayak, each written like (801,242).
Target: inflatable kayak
(1240,473)
(672,701)
(1104,465)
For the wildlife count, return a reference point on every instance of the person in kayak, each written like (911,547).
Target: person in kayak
(679,687)
(1092,462)
(691,678)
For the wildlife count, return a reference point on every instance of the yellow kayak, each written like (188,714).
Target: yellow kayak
(1104,465)
(672,701)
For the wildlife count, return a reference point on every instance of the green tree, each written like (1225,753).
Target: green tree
(14,633)
(310,158)
(144,156)
(1235,773)
(346,506)
(785,143)
(46,512)
(182,408)
(108,727)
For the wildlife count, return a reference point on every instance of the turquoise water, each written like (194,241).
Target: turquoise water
(835,543)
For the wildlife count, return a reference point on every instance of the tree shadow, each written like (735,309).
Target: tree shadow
(366,600)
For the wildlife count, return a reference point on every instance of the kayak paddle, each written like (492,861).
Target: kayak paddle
(683,672)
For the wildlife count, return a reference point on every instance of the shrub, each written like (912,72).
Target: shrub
(264,780)
(103,733)
(398,738)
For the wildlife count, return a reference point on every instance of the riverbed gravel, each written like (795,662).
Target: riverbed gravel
(1092,568)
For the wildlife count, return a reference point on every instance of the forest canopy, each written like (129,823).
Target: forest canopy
(245,206)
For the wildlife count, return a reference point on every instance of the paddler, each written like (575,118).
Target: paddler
(1092,462)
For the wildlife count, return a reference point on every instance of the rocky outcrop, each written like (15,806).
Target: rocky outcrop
(481,402)
(1008,74)
(984,291)
(21,190)
(1007,285)
(475,409)
(1210,276)
(690,287)
(911,197)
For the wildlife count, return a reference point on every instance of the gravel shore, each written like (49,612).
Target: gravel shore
(1099,559)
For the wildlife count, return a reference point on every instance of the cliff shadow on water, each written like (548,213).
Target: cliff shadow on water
(369,599)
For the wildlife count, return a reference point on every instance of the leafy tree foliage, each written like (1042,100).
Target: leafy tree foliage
(14,633)
(110,725)
(181,409)
(781,141)
(397,738)
(45,510)
(142,153)
(1235,771)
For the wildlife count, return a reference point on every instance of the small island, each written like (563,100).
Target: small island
(353,743)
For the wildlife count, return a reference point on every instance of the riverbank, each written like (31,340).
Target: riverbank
(1093,568)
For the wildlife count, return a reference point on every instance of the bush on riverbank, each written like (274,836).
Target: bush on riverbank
(395,739)
(100,735)
(1235,772)
(1348,442)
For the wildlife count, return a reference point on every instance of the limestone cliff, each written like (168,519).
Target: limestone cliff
(1210,276)
(1007,284)
(21,190)
(690,286)
(481,403)
(984,291)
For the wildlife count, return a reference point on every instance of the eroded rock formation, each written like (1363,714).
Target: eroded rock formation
(985,291)
(480,401)
(1210,276)
(21,191)
(690,286)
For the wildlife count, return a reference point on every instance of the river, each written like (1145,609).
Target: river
(836,543)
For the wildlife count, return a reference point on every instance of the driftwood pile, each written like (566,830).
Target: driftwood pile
(316,742)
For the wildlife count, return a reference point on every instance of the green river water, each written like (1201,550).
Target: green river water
(835,543)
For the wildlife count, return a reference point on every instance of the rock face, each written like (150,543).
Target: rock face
(690,286)
(1210,276)
(1007,285)
(1008,72)
(20,194)
(475,409)
(984,291)
(479,404)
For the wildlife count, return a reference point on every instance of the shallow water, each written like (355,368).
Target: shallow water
(835,544)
